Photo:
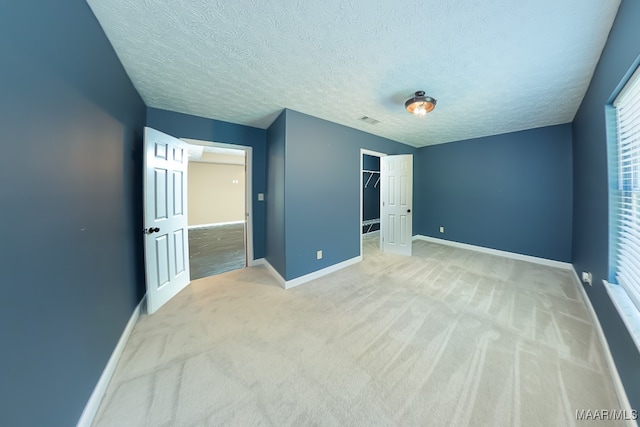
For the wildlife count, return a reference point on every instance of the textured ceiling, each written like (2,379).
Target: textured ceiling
(495,66)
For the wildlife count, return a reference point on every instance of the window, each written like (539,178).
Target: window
(625,191)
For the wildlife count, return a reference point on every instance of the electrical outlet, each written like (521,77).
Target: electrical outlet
(442,229)
(319,255)
(587,278)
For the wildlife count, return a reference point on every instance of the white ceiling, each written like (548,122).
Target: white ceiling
(494,66)
(204,151)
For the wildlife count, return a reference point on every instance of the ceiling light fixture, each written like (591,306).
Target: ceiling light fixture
(420,105)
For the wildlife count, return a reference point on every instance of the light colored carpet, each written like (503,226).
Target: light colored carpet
(447,337)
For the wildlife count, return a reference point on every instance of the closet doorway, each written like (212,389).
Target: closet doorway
(218,198)
(370,198)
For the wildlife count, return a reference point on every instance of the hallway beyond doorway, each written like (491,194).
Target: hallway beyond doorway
(216,249)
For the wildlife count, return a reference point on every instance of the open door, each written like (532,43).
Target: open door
(396,189)
(166,244)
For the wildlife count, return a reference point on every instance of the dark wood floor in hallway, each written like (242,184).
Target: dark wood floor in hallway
(216,249)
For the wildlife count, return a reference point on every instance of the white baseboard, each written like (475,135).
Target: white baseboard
(512,255)
(253,262)
(272,271)
(215,224)
(288,284)
(91,408)
(623,400)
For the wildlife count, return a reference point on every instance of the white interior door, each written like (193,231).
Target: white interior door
(166,241)
(396,190)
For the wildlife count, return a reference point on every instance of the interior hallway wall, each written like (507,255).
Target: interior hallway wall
(216,193)
(71,189)
(275,250)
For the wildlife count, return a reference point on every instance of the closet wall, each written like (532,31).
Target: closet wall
(370,194)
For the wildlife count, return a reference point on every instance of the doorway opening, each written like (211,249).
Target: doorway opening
(219,207)
(370,199)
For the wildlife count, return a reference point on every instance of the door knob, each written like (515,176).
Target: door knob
(151,230)
(408,210)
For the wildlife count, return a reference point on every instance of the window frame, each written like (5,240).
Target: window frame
(624,189)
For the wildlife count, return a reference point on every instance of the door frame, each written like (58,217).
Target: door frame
(248,192)
(364,151)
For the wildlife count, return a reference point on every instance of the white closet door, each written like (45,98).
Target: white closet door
(397,200)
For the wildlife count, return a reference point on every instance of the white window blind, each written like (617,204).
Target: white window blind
(627,200)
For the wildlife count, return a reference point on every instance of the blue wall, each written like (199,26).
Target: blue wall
(322,190)
(275,214)
(510,192)
(71,185)
(590,221)
(186,126)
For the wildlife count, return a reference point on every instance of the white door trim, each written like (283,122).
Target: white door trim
(375,154)
(248,188)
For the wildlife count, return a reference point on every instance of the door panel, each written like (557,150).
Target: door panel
(162,259)
(178,240)
(397,195)
(178,202)
(165,214)
(160,194)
